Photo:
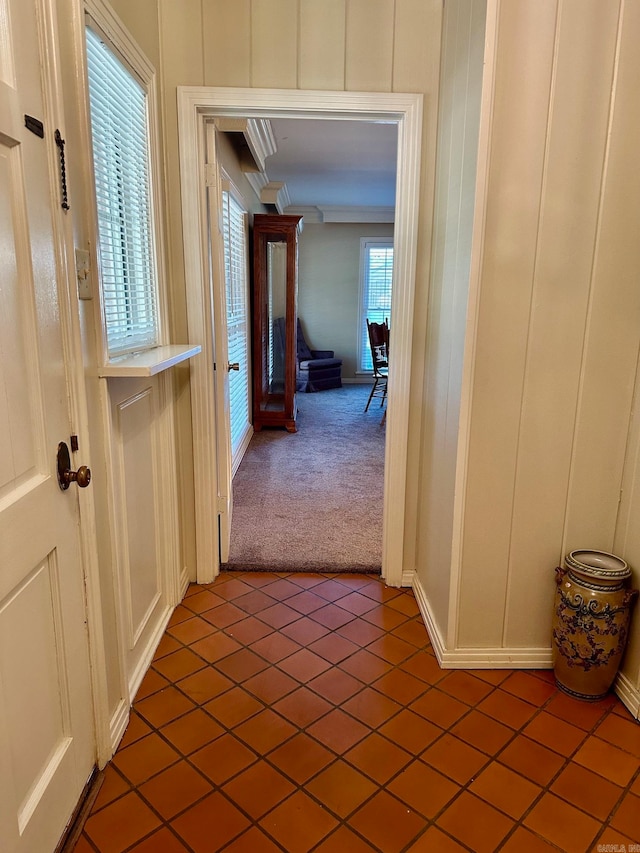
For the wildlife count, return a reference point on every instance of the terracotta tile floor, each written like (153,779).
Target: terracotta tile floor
(307,712)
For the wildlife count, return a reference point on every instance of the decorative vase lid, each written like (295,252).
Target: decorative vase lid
(598,564)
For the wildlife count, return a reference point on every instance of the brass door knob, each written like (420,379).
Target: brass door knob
(65,475)
(234,365)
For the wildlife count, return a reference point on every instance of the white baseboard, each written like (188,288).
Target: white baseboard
(147,656)
(118,724)
(628,693)
(486,658)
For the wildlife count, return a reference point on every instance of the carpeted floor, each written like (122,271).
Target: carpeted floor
(312,500)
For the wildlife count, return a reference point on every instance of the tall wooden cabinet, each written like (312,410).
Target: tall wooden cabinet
(275,314)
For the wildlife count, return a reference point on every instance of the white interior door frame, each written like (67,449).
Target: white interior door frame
(195,104)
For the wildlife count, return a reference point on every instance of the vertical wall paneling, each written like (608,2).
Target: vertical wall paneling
(613,328)
(459,115)
(369,61)
(566,231)
(274,44)
(416,47)
(322,44)
(525,50)
(227,40)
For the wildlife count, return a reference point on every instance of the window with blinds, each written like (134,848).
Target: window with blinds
(234,222)
(120,134)
(376,280)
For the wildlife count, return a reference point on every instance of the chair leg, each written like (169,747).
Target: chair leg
(375,385)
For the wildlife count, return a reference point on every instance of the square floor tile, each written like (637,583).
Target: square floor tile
(405,604)
(248,630)
(191,630)
(341,788)
(439,708)
(332,616)
(357,603)
(265,731)
(306,602)
(113,786)
(203,600)
(361,633)
(482,732)
(223,758)
(136,729)
(620,732)
(258,789)
(392,649)
(302,707)
(577,711)
(241,665)
(562,824)
(179,664)
(164,706)
(531,759)
(301,758)
(338,731)
(378,758)
(299,823)
(508,791)
(175,789)
(121,824)
(454,758)
(254,602)
(423,789)
(387,823)
(270,685)
(465,687)
(424,666)
(224,615)
(436,841)
(275,647)
(527,686)
(335,685)
(607,760)
(557,734)
(525,841)
(162,841)
(400,686)
(343,840)
(586,790)
(253,841)
(304,631)
(145,758)
(166,645)
(210,824)
(282,589)
(414,632)
(627,817)
(475,823)
(191,731)
(507,709)
(232,589)
(331,590)
(279,615)
(304,665)
(410,731)
(334,648)
(365,666)
(384,617)
(152,683)
(371,707)
(234,707)
(215,647)
(205,685)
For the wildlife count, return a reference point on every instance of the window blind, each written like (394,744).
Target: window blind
(376,292)
(119,127)
(236,285)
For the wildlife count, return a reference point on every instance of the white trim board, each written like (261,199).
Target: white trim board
(489,658)
(196,104)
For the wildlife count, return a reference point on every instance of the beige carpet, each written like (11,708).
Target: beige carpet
(312,500)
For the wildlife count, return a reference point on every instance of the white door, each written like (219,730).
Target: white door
(46,719)
(220,344)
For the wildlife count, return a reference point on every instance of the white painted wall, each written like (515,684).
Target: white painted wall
(329,286)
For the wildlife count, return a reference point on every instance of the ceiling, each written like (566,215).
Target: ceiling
(343,164)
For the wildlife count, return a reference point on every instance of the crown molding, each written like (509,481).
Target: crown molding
(315,215)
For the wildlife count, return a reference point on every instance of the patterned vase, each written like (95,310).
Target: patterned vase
(590,622)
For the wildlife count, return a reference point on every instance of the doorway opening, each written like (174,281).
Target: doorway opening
(195,106)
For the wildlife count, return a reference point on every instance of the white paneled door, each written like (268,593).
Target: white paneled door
(46,719)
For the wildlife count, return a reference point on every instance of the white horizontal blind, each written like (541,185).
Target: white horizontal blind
(377,278)
(235,264)
(119,127)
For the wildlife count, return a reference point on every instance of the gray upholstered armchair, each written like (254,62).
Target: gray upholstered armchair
(317,369)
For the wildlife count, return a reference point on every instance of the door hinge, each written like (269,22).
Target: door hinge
(222,504)
(74,443)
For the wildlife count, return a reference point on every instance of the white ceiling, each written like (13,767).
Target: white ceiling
(335,163)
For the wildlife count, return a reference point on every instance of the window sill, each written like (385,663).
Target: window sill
(150,362)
